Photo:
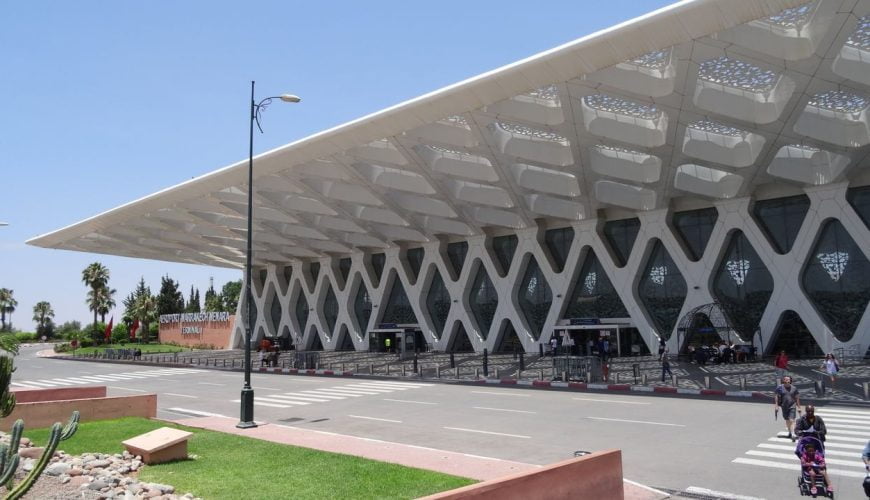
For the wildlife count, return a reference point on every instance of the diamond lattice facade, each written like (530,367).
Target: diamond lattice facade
(683,158)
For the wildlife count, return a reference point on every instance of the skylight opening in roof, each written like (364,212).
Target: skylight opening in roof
(603,102)
(860,38)
(737,74)
(795,17)
(716,128)
(514,128)
(839,100)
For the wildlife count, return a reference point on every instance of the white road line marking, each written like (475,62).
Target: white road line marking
(792,466)
(829,444)
(379,419)
(356,391)
(267,389)
(197,412)
(271,399)
(363,390)
(408,401)
(636,421)
(721,381)
(718,494)
(847,421)
(828,450)
(298,398)
(853,433)
(124,388)
(501,394)
(846,426)
(180,395)
(657,492)
(42,384)
(611,401)
(379,387)
(55,381)
(315,394)
(504,409)
(488,432)
(70,379)
(845,438)
(19,384)
(103,378)
(337,393)
(210,383)
(401,385)
(825,411)
(791,456)
(259,403)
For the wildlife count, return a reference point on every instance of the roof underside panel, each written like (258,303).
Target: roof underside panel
(707,99)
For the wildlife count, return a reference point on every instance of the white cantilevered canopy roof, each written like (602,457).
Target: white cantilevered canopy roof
(706,99)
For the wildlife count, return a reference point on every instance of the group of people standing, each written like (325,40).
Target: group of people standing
(830,366)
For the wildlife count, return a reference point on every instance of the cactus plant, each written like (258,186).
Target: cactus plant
(9,455)
(7,398)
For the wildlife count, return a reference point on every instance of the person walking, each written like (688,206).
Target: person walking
(554,344)
(781,364)
(832,368)
(786,397)
(809,423)
(666,366)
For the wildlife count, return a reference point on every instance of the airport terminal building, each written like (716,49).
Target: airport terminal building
(698,172)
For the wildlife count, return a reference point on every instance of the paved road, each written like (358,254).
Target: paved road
(669,443)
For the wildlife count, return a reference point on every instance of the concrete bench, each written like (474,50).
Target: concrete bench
(160,445)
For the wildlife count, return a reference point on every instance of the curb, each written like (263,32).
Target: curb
(531,384)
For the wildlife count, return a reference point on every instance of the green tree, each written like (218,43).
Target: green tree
(193,301)
(7,306)
(130,302)
(42,314)
(145,310)
(104,300)
(95,276)
(212,300)
(120,334)
(230,296)
(170,300)
(68,328)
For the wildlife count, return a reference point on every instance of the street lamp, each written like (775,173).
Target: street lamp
(247,411)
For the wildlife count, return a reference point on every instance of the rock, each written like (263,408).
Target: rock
(129,496)
(34,452)
(65,479)
(135,464)
(97,485)
(163,488)
(76,462)
(57,469)
(27,466)
(80,480)
(26,442)
(99,463)
(123,469)
(153,494)
(75,471)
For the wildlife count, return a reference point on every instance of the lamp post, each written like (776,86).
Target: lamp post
(247,411)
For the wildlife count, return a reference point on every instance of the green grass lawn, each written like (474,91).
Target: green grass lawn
(146,348)
(235,467)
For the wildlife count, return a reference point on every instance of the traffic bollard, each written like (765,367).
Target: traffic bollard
(866,390)
(564,376)
(643,379)
(541,376)
(674,380)
(388,369)
(415,363)
(356,368)
(437,371)
(452,361)
(485,362)
(742,383)
(371,369)
(522,361)
(403,369)
(617,377)
(476,373)
(706,381)
(588,377)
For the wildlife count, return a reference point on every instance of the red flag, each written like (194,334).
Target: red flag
(109,329)
(133,329)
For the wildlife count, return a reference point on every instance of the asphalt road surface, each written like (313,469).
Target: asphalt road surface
(669,443)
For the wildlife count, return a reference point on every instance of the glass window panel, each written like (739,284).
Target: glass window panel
(620,235)
(837,280)
(288,273)
(793,337)
(859,198)
(460,341)
(593,295)
(344,268)
(275,312)
(743,286)
(662,290)
(456,253)
(535,297)
(438,303)
(510,341)
(415,261)
(378,262)
(362,308)
(399,308)
(315,271)
(330,309)
(483,300)
(302,312)
(558,242)
(695,228)
(504,248)
(781,219)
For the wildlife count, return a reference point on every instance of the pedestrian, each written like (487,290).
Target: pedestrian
(786,397)
(605,349)
(781,364)
(666,366)
(261,353)
(811,424)
(832,368)
(866,456)
(554,344)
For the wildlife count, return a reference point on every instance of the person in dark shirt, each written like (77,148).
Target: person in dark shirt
(787,398)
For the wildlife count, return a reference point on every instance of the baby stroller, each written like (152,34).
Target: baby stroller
(805,483)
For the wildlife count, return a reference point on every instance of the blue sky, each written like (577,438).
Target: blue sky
(100,105)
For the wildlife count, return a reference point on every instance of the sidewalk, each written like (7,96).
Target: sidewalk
(457,464)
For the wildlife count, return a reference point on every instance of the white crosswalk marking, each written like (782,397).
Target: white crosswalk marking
(848,432)
(102,378)
(327,394)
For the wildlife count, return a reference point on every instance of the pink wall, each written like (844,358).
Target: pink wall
(60,394)
(45,413)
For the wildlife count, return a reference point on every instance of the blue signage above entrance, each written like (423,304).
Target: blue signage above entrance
(585,321)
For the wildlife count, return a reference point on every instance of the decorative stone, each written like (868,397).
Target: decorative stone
(97,485)
(57,469)
(35,452)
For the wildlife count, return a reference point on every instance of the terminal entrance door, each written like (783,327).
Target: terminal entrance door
(384,340)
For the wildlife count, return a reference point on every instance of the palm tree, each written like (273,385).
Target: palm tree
(7,306)
(145,310)
(95,276)
(5,296)
(103,300)
(42,314)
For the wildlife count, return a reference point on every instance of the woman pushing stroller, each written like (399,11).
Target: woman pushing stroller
(811,450)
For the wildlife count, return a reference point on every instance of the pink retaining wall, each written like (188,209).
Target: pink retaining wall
(60,394)
(597,475)
(45,413)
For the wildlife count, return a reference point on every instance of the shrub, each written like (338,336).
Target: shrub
(25,336)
